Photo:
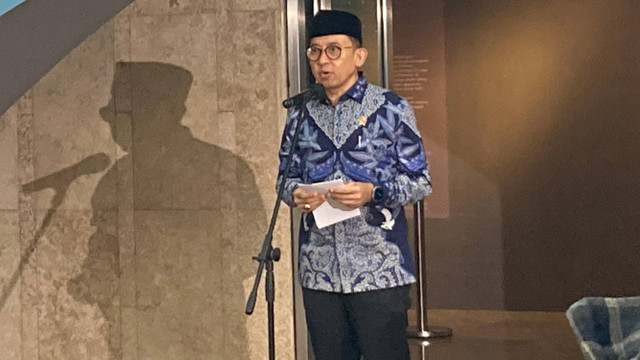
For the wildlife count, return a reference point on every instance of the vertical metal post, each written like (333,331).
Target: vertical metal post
(423,330)
(385,27)
(297,80)
(321,5)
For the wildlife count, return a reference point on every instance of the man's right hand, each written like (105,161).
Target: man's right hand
(307,202)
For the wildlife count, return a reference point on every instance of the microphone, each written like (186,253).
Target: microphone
(314,92)
(60,180)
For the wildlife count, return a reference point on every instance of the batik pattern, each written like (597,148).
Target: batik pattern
(369,136)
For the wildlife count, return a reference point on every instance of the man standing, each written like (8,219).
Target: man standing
(355,274)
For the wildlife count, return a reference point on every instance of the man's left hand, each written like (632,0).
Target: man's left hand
(353,195)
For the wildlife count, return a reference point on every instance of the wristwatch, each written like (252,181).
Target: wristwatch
(377,194)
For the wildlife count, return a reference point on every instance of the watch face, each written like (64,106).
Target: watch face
(377,194)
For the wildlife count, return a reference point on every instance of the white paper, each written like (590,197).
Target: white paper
(331,211)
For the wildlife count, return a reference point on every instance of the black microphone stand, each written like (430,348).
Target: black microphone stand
(268,254)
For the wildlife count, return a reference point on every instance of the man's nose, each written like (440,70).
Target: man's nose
(106,112)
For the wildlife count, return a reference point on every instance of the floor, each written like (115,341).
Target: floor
(498,335)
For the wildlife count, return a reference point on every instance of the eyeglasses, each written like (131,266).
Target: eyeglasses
(333,52)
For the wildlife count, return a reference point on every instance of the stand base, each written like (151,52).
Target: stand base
(430,333)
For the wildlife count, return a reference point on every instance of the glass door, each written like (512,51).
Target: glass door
(376,25)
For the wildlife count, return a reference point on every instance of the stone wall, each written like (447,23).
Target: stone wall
(137,182)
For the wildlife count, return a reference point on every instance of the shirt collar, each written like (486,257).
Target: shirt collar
(357,90)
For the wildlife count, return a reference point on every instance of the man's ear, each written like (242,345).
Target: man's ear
(361,56)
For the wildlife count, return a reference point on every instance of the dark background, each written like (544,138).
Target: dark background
(542,112)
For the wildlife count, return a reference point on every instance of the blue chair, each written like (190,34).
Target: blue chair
(607,328)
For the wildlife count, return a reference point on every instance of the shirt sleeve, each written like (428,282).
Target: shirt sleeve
(295,172)
(411,181)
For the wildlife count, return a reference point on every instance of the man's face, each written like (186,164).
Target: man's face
(336,75)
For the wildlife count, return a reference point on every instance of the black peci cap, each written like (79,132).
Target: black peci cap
(331,22)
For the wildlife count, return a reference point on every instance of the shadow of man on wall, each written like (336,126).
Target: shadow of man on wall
(176,220)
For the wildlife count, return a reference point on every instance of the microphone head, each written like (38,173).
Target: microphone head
(314,92)
(318,92)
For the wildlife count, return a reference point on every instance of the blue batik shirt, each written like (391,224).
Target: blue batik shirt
(369,136)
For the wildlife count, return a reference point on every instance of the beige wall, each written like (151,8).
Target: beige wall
(144,250)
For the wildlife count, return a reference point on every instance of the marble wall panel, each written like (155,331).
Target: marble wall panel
(225,56)
(129,333)
(122,170)
(257,60)
(258,97)
(260,67)
(227,130)
(187,41)
(245,226)
(256,325)
(173,7)
(179,288)
(150,256)
(284,281)
(68,127)
(254,5)
(122,34)
(10,286)
(260,70)
(29,294)
(77,283)
(9,160)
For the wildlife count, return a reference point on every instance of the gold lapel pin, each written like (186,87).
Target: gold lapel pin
(362,120)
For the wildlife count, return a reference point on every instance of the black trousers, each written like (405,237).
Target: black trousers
(371,324)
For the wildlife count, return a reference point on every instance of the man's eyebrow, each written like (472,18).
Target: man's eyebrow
(331,43)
